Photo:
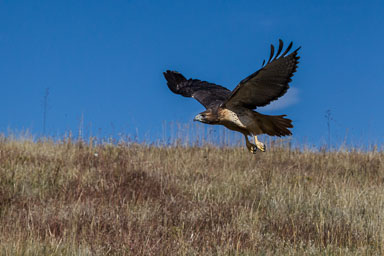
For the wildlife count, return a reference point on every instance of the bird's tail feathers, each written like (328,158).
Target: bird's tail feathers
(276,125)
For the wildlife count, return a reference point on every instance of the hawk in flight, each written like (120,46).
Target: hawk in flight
(235,109)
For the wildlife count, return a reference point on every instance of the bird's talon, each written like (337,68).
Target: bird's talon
(253,149)
(261,146)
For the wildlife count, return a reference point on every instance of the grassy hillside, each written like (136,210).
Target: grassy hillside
(69,198)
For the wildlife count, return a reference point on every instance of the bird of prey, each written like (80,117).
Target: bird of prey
(235,109)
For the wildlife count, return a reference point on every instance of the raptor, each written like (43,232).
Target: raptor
(236,109)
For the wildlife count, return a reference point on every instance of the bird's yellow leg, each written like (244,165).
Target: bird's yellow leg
(252,148)
(259,144)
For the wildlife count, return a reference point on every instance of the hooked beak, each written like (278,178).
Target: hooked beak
(198,118)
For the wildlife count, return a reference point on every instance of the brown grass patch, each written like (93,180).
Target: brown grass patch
(69,198)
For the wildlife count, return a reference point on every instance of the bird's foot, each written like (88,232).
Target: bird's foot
(253,149)
(260,146)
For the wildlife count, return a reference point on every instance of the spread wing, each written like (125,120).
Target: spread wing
(208,94)
(267,84)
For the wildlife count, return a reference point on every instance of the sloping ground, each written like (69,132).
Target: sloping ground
(69,198)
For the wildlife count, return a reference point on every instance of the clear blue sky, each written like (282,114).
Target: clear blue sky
(103,60)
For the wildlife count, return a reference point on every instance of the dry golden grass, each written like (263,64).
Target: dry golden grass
(66,198)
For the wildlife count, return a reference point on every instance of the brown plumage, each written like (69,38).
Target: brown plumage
(234,109)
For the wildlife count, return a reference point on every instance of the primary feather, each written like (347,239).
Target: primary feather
(267,84)
(208,94)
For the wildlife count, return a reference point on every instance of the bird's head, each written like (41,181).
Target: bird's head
(207,117)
